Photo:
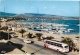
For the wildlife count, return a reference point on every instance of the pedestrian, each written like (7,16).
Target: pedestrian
(70,49)
(32,54)
(41,38)
(77,50)
(74,49)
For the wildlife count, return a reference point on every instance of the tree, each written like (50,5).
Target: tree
(50,37)
(38,35)
(22,31)
(69,41)
(5,28)
(29,35)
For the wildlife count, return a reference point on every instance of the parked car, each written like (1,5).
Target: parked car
(28,41)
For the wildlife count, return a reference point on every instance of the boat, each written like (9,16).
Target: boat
(71,30)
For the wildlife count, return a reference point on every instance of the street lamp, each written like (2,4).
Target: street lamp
(25,47)
(8,33)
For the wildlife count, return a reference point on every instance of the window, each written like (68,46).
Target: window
(60,45)
(66,46)
(48,42)
(52,43)
(55,44)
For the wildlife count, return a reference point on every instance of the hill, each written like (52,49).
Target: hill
(37,16)
(3,14)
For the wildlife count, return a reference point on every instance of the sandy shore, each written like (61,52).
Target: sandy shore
(56,36)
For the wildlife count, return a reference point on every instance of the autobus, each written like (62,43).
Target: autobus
(56,45)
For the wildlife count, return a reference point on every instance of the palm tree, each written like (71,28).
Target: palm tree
(68,41)
(22,31)
(5,28)
(38,35)
(29,35)
(49,37)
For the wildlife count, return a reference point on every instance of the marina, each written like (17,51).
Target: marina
(54,26)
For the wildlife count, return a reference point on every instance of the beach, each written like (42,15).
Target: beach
(55,35)
(45,34)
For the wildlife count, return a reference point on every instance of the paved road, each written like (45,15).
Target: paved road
(36,47)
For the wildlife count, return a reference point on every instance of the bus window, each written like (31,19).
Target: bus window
(52,43)
(60,45)
(55,44)
(66,46)
(48,42)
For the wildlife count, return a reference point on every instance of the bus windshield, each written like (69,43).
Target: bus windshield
(66,46)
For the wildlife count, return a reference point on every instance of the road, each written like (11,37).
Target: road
(36,47)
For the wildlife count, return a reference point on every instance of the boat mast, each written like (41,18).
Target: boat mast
(4,12)
(37,10)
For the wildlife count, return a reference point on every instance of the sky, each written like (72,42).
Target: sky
(62,8)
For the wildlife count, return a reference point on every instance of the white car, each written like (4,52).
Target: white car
(28,41)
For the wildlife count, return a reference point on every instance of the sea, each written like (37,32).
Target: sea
(72,24)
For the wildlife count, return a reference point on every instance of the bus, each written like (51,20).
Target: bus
(56,45)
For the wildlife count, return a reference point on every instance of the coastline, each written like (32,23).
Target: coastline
(56,36)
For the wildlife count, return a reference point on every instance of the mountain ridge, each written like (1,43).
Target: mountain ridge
(4,14)
(34,15)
